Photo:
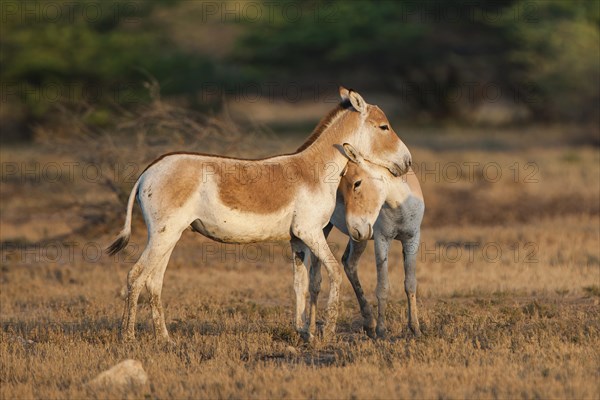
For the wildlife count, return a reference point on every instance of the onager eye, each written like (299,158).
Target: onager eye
(357,184)
(384,127)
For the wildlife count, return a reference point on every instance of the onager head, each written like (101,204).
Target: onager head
(364,189)
(382,146)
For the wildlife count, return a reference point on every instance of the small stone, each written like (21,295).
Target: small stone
(128,374)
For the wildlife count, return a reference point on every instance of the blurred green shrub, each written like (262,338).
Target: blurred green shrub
(99,53)
(558,54)
(543,55)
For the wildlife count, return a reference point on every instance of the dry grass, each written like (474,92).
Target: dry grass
(521,324)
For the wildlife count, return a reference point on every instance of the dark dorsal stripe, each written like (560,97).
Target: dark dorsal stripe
(318,131)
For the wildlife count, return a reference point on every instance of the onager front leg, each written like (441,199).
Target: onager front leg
(350,260)
(318,245)
(382,246)
(300,253)
(315,285)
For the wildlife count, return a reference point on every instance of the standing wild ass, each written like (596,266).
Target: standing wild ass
(287,197)
(399,218)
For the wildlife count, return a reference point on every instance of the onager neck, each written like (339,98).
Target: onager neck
(321,152)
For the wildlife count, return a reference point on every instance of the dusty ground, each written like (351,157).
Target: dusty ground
(508,273)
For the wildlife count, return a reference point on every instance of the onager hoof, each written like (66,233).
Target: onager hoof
(370,331)
(126,337)
(414,328)
(381,332)
(166,342)
(306,336)
(327,332)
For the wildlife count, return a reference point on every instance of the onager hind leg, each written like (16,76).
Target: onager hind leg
(135,281)
(410,248)
(154,284)
(350,260)
(133,293)
(154,258)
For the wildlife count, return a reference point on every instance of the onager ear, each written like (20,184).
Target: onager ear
(357,102)
(344,94)
(344,170)
(352,154)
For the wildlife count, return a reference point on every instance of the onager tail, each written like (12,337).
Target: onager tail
(123,238)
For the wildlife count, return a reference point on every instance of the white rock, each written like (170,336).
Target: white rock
(125,375)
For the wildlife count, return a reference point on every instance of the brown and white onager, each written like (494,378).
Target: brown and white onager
(399,218)
(286,197)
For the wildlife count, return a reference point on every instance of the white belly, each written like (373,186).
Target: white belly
(221,223)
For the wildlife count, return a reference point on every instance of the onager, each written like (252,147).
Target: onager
(286,197)
(399,218)
(361,205)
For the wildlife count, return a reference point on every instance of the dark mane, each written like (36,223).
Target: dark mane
(344,105)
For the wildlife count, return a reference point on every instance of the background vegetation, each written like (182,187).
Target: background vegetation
(440,60)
